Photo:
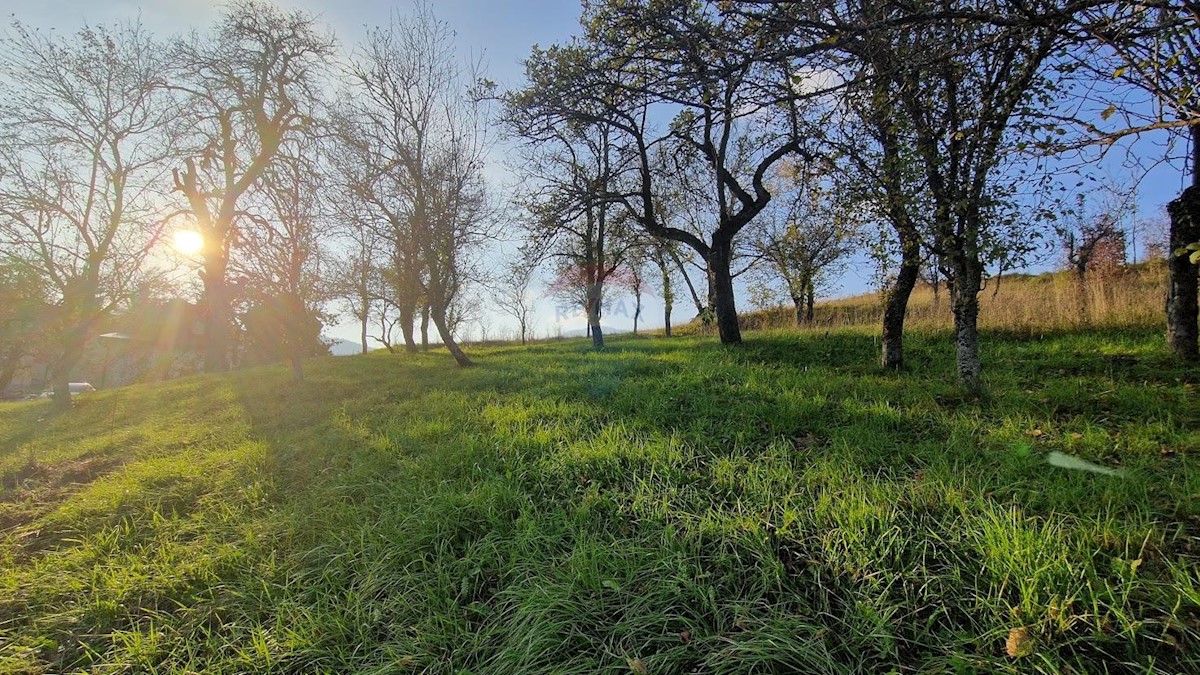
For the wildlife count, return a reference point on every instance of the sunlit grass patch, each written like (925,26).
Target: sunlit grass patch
(669,505)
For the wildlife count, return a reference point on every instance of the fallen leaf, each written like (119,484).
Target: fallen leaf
(1035,433)
(637,666)
(685,636)
(1020,643)
(1064,461)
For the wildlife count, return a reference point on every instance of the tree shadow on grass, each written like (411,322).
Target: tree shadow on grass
(702,454)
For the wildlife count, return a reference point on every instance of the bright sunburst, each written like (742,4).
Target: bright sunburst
(188,242)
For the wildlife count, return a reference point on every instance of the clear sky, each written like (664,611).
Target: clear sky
(502,31)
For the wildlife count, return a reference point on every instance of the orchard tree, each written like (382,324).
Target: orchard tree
(643,60)
(415,121)
(1150,48)
(969,91)
(513,296)
(806,241)
(84,147)
(570,214)
(252,85)
(284,256)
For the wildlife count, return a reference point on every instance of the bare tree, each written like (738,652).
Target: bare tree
(417,125)
(251,87)
(283,253)
(805,242)
(513,296)
(570,215)
(84,149)
(356,280)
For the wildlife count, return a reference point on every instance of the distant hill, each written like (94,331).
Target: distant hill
(344,348)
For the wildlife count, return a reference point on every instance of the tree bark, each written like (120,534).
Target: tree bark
(594,300)
(217,323)
(720,285)
(896,303)
(438,314)
(1182,289)
(425,328)
(637,312)
(60,376)
(967,281)
(798,302)
(408,317)
(810,304)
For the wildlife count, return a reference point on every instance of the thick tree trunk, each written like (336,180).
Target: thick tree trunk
(895,306)
(1182,290)
(720,285)
(408,317)
(217,320)
(798,302)
(594,305)
(810,305)
(967,281)
(438,314)
(60,376)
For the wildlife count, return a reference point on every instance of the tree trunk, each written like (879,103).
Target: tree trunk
(637,311)
(1182,290)
(60,376)
(595,297)
(668,294)
(425,328)
(810,307)
(798,301)
(363,334)
(896,304)
(297,366)
(217,323)
(720,285)
(967,281)
(438,314)
(408,316)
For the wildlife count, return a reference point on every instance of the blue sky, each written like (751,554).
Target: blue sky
(503,32)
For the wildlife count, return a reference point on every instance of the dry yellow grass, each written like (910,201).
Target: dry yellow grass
(1134,297)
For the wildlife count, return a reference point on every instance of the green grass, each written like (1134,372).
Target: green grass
(665,506)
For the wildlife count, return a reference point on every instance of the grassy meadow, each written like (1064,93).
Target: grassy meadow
(663,506)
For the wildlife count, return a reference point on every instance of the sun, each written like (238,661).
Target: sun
(188,242)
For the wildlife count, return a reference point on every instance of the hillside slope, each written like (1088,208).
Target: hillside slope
(666,506)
